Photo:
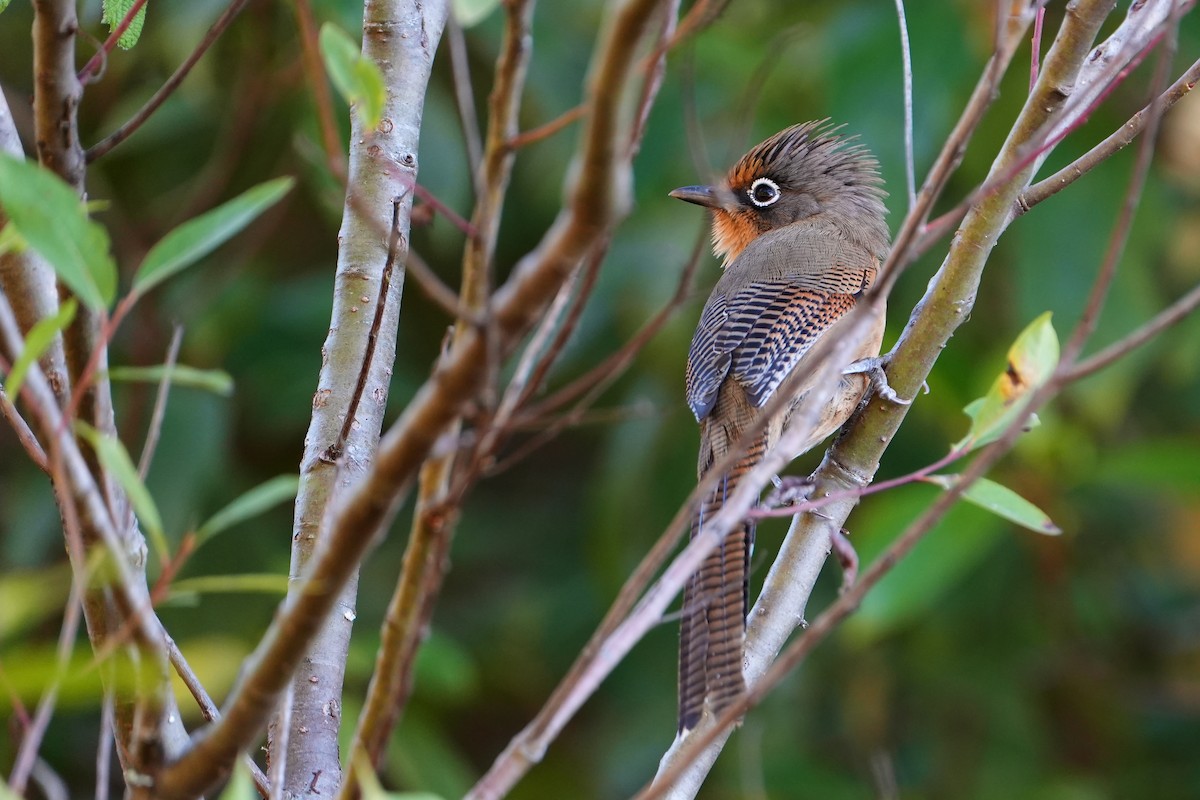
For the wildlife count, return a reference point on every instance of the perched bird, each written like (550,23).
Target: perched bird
(799,221)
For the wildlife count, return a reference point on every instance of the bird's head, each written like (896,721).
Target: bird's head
(799,172)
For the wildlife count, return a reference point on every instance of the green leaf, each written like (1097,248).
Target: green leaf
(471,12)
(198,237)
(111,14)
(115,459)
(52,220)
(1001,501)
(216,381)
(258,583)
(241,784)
(1031,361)
(11,240)
(357,79)
(39,338)
(249,505)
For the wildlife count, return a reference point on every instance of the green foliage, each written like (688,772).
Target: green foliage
(52,220)
(186,590)
(116,461)
(1031,361)
(356,79)
(1001,501)
(39,338)
(216,381)
(249,505)
(113,12)
(198,237)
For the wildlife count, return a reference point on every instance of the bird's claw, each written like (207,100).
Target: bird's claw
(873,369)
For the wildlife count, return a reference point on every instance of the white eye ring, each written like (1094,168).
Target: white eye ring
(762,199)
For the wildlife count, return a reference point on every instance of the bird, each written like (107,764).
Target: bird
(799,223)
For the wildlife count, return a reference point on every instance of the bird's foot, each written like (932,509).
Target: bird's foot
(873,368)
(789,490)
(847,556)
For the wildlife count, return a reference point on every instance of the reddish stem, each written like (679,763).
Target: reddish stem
(92,67)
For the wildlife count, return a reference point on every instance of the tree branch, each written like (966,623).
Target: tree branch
(168,88)
(400,37)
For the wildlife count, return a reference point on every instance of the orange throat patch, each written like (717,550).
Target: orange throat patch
(730,235)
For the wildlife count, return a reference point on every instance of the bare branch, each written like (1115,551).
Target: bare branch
(433,524)
(95,65)
(31,741)
(441,294)
(1176,312)
(906,59)
(1115,141)
(160,404)
(549,129)
(1120,235)
(24,435)
(400,38)
(464,93)
(314,73)
(168,88)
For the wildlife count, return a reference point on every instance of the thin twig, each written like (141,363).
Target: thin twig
(545,131)
(1175,313)
(464,93)
(104,747)
(1120,236)
(419,583)
(279,747)
(910,175)
(209,709)
(335,155)
(1033,154)
(1115,141)
(21,428)
(612,366)
(31,741)
(168,88)
(1035,49)
(699,16)
(426,196)
(442,295)
(765,511)
(96,63)
(656,69)
(543,351)
(160,403)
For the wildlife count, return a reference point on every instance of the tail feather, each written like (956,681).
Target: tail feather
(715,603)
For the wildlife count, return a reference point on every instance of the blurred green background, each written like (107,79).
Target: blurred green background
(993,663)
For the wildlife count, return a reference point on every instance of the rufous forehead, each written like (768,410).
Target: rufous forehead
(745,171)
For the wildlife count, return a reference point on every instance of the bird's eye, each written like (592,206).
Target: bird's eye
(763,192)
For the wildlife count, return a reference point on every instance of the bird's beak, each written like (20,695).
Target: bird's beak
(700,195)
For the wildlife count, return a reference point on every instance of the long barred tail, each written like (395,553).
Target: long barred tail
(715,603)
